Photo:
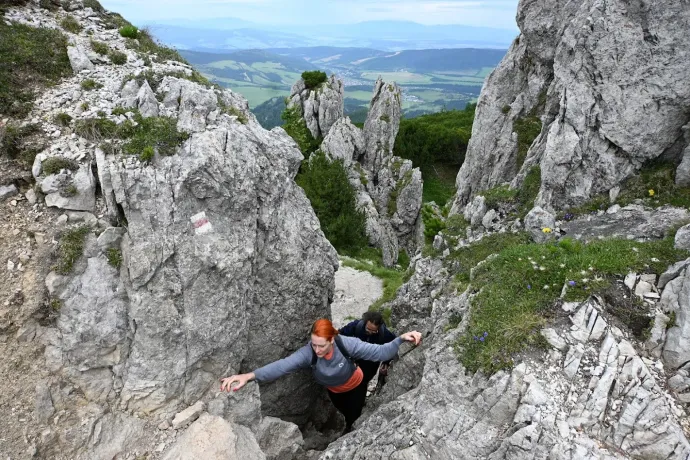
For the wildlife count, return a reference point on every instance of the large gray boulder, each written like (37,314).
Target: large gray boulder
(75,191)
(591,96)
(224,269)
(320,107)
(344,141)
(79,58)
(213,438)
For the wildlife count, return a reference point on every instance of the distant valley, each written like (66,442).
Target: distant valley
(431,80)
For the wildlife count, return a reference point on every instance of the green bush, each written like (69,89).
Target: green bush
(13,138)
(314,78)
(435,138)
(90,84)
(70,24)
(54,165)
(70,249)
(49,5)
(433,223)
(296,127)
(29,58)
(129,31)
(96,129)
(334,201)
(100,48)
(117,57)
(62,119)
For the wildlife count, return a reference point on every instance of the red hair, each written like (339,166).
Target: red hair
(324,328)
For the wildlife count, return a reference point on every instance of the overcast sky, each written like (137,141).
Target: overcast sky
(488,13)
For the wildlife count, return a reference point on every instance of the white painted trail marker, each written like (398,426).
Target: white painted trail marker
(201,224)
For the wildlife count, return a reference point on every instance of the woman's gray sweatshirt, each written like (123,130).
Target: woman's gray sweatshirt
(335,371)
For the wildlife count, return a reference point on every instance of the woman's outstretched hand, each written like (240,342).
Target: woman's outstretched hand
(240,379)
(412,336)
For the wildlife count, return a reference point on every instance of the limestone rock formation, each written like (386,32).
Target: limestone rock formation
(389,189)
(320,107)
(601,115)
(593,397)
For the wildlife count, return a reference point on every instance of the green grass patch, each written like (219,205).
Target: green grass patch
(153,133)
(527,129)
(54,165)
(97,129)
(70,24)
(456,225)
(114,257)
(70,249)
(90,84)
(655,186)
(439,183)
(517,288)
(519,201)
(29,59)
(433,223)
(62,119)
(117,57)
(100,48)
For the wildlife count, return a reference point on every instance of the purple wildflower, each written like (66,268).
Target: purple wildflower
(476,338)
(481,339)
(529,286)
(485,333)
(571,283)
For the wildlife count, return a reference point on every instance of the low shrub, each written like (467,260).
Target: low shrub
(70,24)
(54,165)
(129,31)
(117,57)
(90,84)
(334,201)
(100,48)
(62,119)
(314,78)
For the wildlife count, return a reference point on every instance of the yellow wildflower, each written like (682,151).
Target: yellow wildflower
(651,192)
(546,230)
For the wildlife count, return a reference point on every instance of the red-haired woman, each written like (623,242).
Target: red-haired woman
(332,361)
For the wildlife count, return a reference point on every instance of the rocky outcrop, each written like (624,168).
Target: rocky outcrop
(601,115)
(320,107)
(389,189)
(591,396)
(208,261)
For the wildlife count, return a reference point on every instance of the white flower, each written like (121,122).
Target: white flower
(542,268)
(546,286)
(584,280)
(562,265)
(583,272)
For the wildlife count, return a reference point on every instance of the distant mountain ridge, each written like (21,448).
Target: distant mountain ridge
(227,34)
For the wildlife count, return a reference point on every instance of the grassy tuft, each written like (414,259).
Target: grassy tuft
(70,24)
(114,257)
(129,31)
(96,129)
(496,196)
(70,249)
(29,58)
(517,288)
(13,138)
(117,57)
(62,119)
(100,48)
(54,165)
(230,110)
(90,84)
(159,133)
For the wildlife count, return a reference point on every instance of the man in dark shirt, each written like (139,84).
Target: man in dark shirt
(372,329)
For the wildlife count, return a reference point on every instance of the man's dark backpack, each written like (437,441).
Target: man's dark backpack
(339,343)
